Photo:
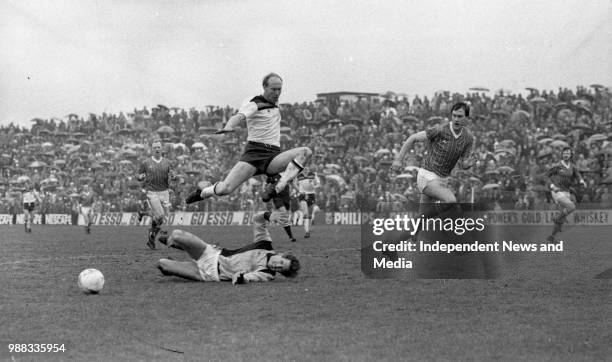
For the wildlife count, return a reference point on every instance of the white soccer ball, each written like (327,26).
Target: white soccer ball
(91,281)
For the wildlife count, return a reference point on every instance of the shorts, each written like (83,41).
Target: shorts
(164,199)
(558,195)
(29,206)
(309,198)
(85,209)
(259,155)
(282,200)
(424,177)
(208,264)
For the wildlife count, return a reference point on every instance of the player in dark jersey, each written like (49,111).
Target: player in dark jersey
(156,172)
(563,176)
(85,202)
(282,204)
(447,143)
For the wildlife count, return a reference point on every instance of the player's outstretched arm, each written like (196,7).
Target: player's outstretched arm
(234,122)
(417,137)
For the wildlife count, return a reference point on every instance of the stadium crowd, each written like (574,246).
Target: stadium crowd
(354,138)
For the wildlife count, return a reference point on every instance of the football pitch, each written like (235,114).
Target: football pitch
(329,312)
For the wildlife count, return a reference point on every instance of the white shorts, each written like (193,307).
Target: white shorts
(558,195)
(159,198)
(208,264)
(424,177)
(85,209)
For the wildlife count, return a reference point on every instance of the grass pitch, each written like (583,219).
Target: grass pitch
(329,312)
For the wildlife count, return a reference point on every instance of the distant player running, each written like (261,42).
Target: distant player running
(156,172)
(282,204)
(563,176)
(262,154)
(307,184)
(446,145)
(30,198)
(85,203)
(255,262)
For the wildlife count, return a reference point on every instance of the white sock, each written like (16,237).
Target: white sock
(307,225)
(293,169)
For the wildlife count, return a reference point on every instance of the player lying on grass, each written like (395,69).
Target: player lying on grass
(255,262)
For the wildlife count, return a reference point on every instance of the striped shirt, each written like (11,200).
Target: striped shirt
(87,198)
(563,177)
(157,174)
(263,121)
(444,149)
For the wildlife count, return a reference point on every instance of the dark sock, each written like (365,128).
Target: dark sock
(288,231)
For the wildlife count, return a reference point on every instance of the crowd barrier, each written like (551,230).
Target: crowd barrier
(590,217)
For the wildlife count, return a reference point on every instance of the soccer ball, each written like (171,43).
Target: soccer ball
(91,281)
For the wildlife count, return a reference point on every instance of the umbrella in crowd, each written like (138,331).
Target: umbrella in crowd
(37,164)
(165,129)
(333,165)
(479,89)
(537,100)
(490,186)
(382,151)
(597,137)
(505,169)
(559,136)
(359,158)
(405,176)
(411,168)
(519,116)
(199,145)
(559,143)
(285,129)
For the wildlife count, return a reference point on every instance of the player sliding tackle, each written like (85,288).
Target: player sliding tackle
(262,154)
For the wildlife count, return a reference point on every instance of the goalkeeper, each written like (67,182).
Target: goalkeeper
(255,262)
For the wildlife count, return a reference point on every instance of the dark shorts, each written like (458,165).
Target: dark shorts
(259,155)
(283,199)
(309,198)
(29,206)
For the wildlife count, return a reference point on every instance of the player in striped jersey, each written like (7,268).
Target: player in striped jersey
(307,183)
(85,203)
(262,154)
(156,172)
(563,176)
(447,143)
(30,198)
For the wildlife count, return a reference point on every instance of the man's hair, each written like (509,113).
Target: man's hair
(571,151)
(156,141)
(294,267)
(266,79)
(461,105)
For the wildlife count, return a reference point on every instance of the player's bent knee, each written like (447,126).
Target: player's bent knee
(307,152)
(222,188)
